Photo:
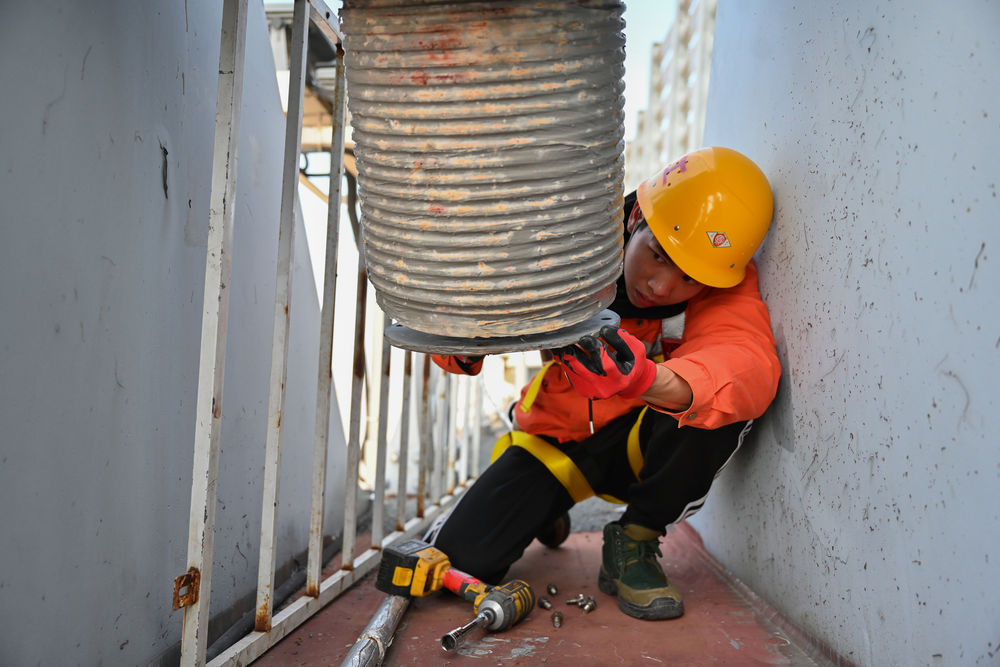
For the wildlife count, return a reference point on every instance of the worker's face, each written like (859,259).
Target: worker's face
(651,278)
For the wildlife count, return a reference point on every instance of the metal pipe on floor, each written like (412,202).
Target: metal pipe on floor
(377,636)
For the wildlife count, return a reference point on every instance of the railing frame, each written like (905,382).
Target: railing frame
(437,410)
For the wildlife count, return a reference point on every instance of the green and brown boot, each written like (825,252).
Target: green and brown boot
(629,569)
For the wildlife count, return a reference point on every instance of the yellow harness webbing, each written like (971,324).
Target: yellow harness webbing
(635,458)
(562,466)
(534,388)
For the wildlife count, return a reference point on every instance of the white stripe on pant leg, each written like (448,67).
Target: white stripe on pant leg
(432,531)
(695,505)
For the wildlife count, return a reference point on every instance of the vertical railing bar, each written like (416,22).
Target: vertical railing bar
(385,365)
(424,424)
(434,432)
(442,419)
(466,395)
(471,428)
(404,441)
(373,369)
(214,324)
(354,435)
(463,429)
(451,437)
(477,426)
(450,429)
(325,373)
(282,317)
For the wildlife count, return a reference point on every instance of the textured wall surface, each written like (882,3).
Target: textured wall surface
(866,509)
(106,134)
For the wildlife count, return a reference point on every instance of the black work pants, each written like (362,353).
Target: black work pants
(516,497)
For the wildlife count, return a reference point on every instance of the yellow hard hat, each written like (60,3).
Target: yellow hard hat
(709,211)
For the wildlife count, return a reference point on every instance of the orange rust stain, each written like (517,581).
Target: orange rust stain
(435,209)
(419,78)
(262,621)
(451,78)
(443,43)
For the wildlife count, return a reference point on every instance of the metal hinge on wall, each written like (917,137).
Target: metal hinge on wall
(186,588)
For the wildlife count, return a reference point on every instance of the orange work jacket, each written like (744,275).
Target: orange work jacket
(726,353)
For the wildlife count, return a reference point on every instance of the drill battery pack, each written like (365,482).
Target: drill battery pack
(411,569)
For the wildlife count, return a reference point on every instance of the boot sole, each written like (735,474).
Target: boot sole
(658,610)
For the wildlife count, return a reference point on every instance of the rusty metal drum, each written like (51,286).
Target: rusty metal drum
(489,145)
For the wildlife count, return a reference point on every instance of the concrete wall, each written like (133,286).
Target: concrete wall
(867,507)
(106,133)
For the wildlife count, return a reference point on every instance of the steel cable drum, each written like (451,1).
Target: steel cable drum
(489,146)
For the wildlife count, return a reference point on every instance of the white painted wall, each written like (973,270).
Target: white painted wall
(867,509)
(101,282)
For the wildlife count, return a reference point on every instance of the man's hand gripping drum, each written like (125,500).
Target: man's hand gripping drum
(614,363)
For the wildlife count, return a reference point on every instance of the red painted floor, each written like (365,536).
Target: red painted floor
(724,623)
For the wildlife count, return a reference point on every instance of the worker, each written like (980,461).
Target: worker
(637,414)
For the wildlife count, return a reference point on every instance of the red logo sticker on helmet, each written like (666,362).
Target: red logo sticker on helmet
(719,239)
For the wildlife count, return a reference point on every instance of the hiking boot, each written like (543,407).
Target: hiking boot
(629,569)
(556,532)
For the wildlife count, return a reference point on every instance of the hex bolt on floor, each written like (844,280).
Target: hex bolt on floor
(544,603)
(551,589)
(578,600)
(557,618)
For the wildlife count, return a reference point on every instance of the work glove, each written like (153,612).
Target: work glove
(470,364)
(612,364)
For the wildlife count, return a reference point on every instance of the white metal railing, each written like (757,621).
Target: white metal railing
(445,406)
(673,122)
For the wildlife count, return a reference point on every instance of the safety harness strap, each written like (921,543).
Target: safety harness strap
(534,388)
(562,466)
(635,458)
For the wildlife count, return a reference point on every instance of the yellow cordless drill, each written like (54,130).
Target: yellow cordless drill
(414,569)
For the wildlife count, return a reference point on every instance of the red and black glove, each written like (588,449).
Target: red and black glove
(613,364)
(471,364)
(468,364)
